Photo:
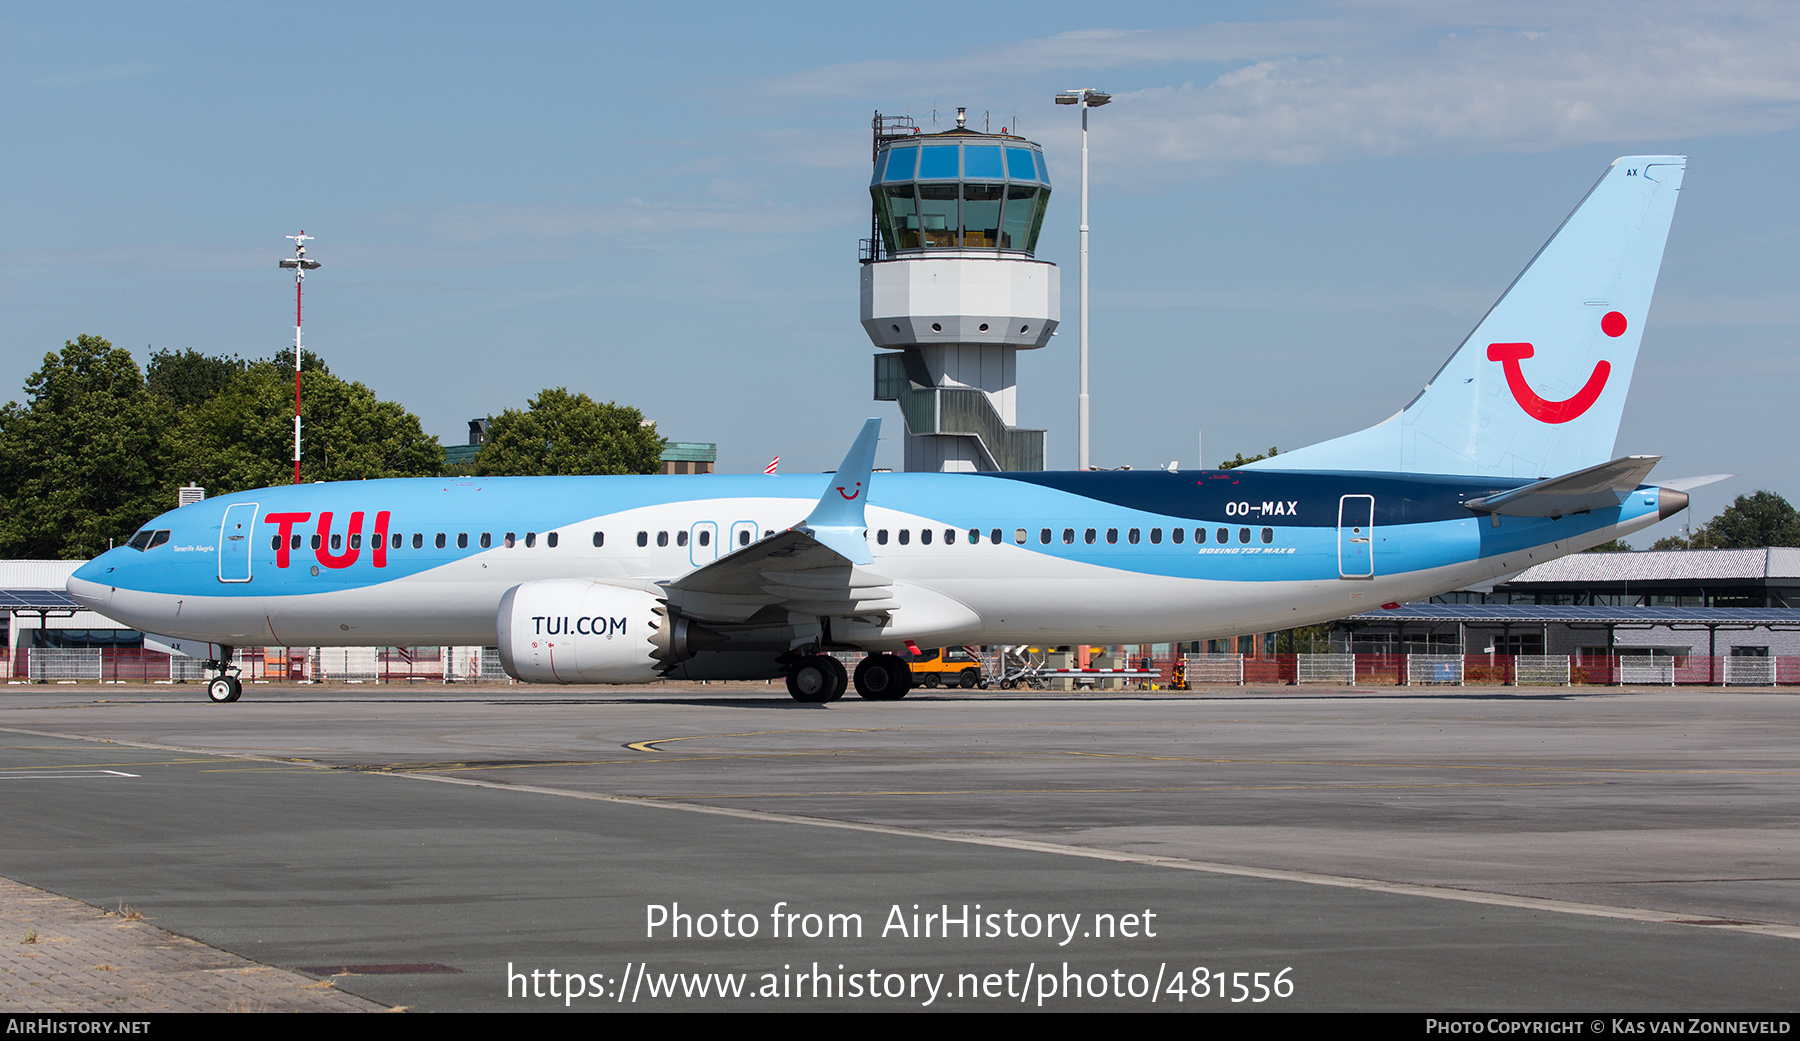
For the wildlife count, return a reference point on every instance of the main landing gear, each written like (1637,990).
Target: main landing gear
(223,687)
(882,677)
(820,678)
(817,678)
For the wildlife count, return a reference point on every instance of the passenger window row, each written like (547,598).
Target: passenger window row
(1090,536)
(702,538)
(441,541)
(148,539)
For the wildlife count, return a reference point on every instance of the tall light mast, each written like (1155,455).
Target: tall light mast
(1086,97)
(301,266)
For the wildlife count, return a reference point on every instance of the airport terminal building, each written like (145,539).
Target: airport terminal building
(1730,602)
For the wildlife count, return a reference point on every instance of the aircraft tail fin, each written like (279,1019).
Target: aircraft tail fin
(1538,388)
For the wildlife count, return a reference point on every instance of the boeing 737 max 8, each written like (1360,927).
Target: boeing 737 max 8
(1503,460)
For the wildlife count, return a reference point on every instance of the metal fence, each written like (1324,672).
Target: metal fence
(259,665)
(1215,668)
(1434,668)
(1645,669)
(1325,668)
(1541,670)
(1750,671)
(438,665)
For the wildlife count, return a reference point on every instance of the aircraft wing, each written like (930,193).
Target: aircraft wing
(792,570)
(815,567)
(1595,488)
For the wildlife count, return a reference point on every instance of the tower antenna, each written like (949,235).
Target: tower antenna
(301,266)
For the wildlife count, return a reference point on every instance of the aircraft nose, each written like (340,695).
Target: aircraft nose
(1669,502)
(91,585)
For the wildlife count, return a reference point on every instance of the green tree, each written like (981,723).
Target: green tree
(1750,522)
(563,434)
(188,378)
(242,437)
(79,464)
(1239,460)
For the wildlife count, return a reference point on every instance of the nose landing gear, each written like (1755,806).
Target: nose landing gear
(223,687)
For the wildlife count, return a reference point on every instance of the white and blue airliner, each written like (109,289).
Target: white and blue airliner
(1503,460)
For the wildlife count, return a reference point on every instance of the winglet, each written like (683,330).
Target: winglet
(837,521)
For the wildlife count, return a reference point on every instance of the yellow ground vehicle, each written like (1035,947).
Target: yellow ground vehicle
(944,666)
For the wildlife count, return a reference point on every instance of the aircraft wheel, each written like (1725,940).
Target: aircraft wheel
(882,677)
(970,677)
(811,680)
(840,677)
(223,689)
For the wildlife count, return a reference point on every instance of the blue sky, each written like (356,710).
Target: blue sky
(1299,209)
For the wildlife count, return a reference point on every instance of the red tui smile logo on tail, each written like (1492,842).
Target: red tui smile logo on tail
(1544,411)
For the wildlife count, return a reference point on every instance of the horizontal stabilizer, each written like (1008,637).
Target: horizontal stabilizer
(1688,484)
(1595,488)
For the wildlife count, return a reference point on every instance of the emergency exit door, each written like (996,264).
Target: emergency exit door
(1356,536)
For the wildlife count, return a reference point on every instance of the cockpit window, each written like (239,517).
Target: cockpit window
(149,539)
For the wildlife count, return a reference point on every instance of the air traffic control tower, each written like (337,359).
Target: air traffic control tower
(951,292)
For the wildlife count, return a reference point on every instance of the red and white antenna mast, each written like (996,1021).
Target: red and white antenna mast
(301,266)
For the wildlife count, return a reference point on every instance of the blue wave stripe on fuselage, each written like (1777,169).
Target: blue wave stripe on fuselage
(1419,524)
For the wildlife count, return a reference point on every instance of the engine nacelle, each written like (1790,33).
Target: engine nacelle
(567,630)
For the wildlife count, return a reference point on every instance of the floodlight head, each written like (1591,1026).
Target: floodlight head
(288,263)
(1069,97)
(1096,98)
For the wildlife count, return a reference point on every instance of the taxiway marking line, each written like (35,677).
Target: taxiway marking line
(49,775)
(4,770)
(1471,896)
(1633,914)
(1134,791)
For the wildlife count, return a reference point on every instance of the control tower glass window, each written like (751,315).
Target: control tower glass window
(982,162)
(938,163)
(978,192)
(981,215)
(1016,229)
(900,216)
(1019,165)
(937,215)
(901,164)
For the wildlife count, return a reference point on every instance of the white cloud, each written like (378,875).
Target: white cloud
(1393,79)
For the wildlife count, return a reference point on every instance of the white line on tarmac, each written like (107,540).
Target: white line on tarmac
(1469,896)
(65,775)
(1529,903)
